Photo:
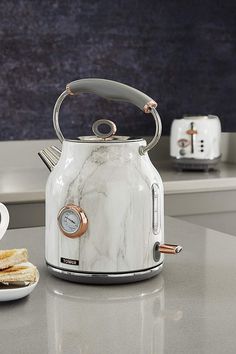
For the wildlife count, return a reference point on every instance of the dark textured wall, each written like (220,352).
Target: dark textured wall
(181,53)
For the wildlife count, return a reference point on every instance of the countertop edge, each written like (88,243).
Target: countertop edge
(170,187)
(24,197)
(198,186)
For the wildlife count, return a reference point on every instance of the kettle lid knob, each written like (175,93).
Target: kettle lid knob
(104,122)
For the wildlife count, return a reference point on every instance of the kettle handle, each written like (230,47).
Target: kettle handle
(115,91)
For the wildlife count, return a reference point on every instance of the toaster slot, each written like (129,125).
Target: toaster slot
(192,146)
(192,131)
(155,209)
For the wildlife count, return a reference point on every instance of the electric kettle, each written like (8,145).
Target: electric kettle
(104,198)
(195,142)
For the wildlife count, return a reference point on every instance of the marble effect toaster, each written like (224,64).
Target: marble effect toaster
(104,198)
(195,142)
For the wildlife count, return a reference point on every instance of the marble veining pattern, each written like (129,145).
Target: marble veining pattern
(112,183)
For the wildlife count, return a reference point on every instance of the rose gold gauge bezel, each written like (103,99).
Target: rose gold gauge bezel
(83,221)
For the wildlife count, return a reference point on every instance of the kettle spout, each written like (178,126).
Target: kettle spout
(50,156)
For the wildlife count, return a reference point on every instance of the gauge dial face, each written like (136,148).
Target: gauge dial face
(70,221)
(183,143)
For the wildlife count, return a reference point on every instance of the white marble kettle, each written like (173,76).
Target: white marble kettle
(104,198)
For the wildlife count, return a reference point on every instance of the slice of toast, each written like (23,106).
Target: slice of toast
(24,272)
(9,258)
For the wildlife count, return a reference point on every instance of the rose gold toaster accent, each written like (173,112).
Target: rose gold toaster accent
(191,131)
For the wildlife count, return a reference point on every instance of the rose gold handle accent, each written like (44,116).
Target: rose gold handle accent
(148,106)
(170,249)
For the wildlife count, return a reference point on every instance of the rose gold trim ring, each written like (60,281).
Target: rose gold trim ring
(68,90)
(148,106)
(83,220)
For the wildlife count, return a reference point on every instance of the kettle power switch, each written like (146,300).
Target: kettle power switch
(165,248)
(156,252)
(170,249)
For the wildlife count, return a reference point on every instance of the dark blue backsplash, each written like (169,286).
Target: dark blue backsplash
(181,53)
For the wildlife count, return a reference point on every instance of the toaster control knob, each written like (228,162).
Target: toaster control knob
(182,152)
(72,221)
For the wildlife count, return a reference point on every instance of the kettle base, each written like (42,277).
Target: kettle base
(105,278)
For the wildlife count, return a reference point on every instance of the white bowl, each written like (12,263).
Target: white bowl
(9,294)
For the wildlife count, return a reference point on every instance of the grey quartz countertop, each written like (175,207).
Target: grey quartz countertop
(28,184)
(188,308)
(224,178)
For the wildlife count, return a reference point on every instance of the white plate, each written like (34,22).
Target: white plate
(17,293)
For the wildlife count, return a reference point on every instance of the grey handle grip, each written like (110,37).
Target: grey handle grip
(111,90)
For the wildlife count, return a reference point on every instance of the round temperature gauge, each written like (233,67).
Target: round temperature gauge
(183,143)
(72,221)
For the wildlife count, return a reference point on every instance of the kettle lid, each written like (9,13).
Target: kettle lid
(104,131)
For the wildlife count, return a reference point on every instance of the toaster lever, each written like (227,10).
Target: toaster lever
(170,249)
